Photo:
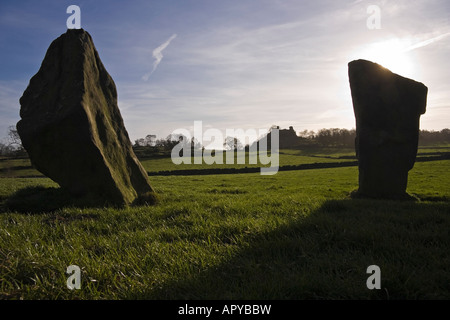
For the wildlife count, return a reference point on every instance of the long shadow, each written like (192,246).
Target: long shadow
(37,199)
(305,166)
(214,171)
(325,255)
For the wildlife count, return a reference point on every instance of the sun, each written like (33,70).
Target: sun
(391,54)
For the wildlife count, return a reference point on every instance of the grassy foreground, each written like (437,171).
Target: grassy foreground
(294,235)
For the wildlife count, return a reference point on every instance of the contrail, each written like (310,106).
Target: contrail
(427,42)
(157,55)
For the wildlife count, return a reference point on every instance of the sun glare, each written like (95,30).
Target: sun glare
(391,54)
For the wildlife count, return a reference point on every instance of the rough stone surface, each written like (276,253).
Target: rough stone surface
(72,128)
(387,108)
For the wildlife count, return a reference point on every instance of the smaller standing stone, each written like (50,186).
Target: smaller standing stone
(387,109)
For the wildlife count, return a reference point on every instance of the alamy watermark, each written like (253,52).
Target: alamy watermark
(373,22)
(213,153)
(374,281)
(74,280)
(74,21)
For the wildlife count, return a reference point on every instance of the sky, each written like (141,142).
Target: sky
(235,64)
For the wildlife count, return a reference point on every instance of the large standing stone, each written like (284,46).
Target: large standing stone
(72,128)
(387,109)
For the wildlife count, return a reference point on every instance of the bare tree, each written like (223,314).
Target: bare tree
(232,143)
(14,138)
(150,140)
(139,142)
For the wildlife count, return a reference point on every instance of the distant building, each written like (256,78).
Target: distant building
(287,138)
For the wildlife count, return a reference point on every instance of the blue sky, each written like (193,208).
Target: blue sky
(234,63)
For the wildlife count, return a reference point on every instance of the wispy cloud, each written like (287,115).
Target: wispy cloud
(157,55)
(427,42)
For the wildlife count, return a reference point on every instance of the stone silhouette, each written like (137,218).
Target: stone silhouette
(387,109)
(72,128)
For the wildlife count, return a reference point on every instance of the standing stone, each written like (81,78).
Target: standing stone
(72,128)
(387,109)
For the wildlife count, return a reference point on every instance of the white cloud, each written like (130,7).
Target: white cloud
(157,55)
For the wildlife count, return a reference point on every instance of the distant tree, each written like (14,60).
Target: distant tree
(14,140)
(434,137)
(232,143)
(150,140)
(139,142)
(306,134)
(171,141)
(324,137)
(333,137)
(12,144)
(3,149)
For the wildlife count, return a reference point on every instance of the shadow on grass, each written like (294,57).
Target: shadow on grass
(325,255)
(37,200)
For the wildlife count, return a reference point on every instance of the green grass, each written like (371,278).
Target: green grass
(286,158)
(293,235)
(17,168)
(23,168)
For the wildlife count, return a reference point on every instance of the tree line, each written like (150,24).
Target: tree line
(332,137)
(11,146)
(336,137)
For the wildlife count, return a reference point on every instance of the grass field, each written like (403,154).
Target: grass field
(23,168)
(293,235)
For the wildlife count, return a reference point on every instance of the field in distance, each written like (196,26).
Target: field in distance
(163,165)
